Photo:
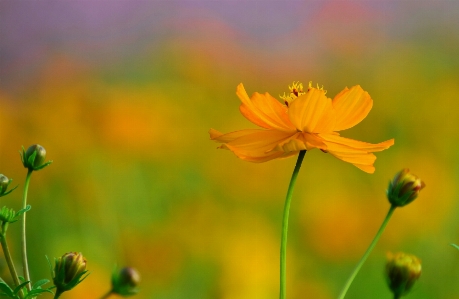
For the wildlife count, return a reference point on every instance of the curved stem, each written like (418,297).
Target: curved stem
(367,253)
(25,265)
(9,261)
(283,249)
(107,295)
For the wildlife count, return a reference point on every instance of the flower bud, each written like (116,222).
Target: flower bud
(125,281)
(404,188)
(10,216)
(34,157)
(402,271)
(68,271)
(4,183)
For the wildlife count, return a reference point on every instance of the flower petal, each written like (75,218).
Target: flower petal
(264,110)
(254,145)
(355,152)
(355,144)
(312,112)
(351,107)
(224,138)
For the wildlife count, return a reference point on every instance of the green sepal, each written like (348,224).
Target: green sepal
(31,160)
(50,266)
(77,280)
(22,154)
(43,165)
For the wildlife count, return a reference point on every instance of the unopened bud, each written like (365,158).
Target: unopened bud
(34,157)
(404,188)
(68,271)
(4,183)
(125,281)
(402,271)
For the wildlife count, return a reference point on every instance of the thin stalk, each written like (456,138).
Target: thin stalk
(367,253)
(109,293)
(283,249)
(9,261)
(25,265)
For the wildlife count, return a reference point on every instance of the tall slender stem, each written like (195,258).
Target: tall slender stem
(9,260)
(25,265)
(283,249)
(367,253)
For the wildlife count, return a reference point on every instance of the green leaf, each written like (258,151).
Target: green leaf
(37,292)
(39,283)
(22,211)
(6,289)
(455,246)
(19,287)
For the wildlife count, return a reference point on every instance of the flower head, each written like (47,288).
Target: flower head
(404,188)
(402,271)
(307,120)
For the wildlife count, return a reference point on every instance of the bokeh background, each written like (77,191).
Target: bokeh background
(122,95)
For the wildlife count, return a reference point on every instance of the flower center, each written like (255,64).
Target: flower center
(296,90)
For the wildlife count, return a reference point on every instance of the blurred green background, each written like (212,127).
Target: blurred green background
(122,95)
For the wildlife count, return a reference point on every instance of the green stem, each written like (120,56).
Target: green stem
(9,261)
(107,295)
(367,253)
(283,249)
(25,265)
(57,295)
(396,296)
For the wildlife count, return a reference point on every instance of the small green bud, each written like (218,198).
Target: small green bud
(68,271)
(402,271)
(404,188)
(7,215)
(4,183)
(34,157)
(10,216)
(125,281)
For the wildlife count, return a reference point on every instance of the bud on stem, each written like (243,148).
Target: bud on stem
(404,188)
(402,271)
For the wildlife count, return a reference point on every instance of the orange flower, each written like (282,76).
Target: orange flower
(308,120)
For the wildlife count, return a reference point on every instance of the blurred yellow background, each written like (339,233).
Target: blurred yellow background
(122,95)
